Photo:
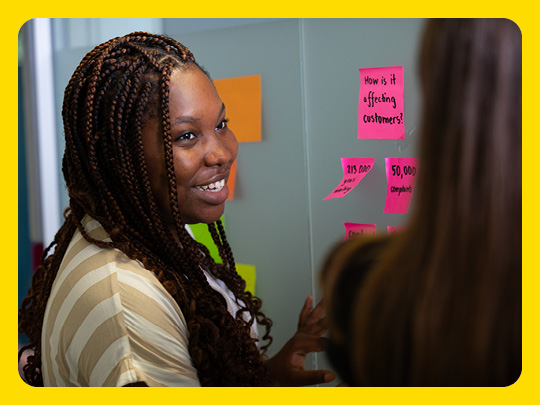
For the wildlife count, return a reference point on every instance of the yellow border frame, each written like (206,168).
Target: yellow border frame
(519,11)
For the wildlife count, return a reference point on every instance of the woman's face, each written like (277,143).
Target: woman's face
(203,148)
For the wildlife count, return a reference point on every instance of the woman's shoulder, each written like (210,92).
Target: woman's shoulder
(102,292)
(96,274)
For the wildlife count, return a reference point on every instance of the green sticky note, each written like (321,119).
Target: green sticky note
(247,272)
(202,235)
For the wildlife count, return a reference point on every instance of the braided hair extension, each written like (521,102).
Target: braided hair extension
(226,255)
(115,89)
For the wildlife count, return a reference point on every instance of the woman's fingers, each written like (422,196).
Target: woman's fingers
(305,312)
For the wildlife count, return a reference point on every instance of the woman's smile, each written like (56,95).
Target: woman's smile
(215,193)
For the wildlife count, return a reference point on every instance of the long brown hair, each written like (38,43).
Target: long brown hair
(117,86)
(442,304)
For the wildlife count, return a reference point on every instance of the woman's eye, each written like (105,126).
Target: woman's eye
(223,124)
(188,136)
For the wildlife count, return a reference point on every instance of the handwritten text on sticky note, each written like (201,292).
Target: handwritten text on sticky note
(380,103)
(353,230)
(354,170)
(400,179)
(394,229)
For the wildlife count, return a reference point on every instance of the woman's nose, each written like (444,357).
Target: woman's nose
(218,152)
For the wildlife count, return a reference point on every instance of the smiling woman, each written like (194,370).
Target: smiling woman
(203,148)
(127,297)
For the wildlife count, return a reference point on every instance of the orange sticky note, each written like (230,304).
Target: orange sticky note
(242,99)
(232,181)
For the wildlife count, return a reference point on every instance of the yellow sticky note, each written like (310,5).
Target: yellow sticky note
(247,272)
(242,99)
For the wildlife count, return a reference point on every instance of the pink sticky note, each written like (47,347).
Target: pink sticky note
(400,179)
(354,170)
(380,103)
(353,230)
(394,229)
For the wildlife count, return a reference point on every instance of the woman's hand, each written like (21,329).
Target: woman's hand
(287,367)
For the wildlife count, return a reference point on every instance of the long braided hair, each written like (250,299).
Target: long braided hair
(116,87)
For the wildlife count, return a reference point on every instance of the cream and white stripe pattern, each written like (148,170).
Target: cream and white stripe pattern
(110,322)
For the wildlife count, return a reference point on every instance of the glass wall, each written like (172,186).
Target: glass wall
(278,220)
